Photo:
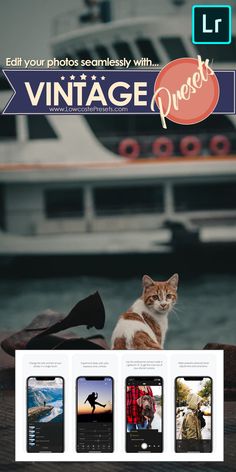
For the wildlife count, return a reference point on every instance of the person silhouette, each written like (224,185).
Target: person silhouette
(92,399)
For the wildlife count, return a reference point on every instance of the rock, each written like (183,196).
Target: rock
(36,411)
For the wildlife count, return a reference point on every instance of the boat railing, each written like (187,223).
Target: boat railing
(146,142)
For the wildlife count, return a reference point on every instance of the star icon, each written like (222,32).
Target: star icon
(83,77)
(93,77)
(72,77)
(103,77)
(62,77)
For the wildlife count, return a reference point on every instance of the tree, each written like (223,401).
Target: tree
(182,391)
(205,392)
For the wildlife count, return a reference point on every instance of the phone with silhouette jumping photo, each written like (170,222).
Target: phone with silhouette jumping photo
(94,414)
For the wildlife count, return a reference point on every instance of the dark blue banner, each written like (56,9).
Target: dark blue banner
(93,92)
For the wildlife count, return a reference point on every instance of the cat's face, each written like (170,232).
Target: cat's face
(160,296)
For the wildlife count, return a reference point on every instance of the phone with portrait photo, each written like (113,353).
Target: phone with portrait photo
(193,414)
(144,414)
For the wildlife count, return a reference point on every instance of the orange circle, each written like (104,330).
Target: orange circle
(202,93)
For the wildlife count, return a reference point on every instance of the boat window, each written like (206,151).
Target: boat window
(128,200)
(102,15)
(7,127)
(84,54)
(147,49)
(63,58)
(149,125)
(218,52)
(174,47)
(102,51)
(214,123)
(210,196)
(40,128)
(64,203)
(105,7)
(109,125)
(71,58)
(123,50)
(130,125)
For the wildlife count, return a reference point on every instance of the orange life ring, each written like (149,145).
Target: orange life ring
(163,147)
(190,146)
(220,144)
(129,147)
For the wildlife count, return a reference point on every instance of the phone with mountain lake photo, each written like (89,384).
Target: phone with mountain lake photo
(45,414)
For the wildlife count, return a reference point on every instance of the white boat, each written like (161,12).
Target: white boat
(65,188)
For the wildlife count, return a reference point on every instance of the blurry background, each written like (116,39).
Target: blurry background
(92,203)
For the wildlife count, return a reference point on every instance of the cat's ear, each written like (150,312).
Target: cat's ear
(147,281)
(173,281)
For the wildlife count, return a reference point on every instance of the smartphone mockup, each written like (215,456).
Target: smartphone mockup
(45,414)
(144,414)
(94,414)
(193,414)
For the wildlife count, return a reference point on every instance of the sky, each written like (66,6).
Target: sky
(194,385)
(26,25)
(57,382)
(102,387)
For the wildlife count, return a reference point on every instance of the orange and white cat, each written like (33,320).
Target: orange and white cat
(145,324)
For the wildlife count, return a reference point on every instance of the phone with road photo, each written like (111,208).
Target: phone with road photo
(193,414)
(144,414)
(45,414)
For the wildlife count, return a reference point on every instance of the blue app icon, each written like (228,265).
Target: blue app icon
(211,24)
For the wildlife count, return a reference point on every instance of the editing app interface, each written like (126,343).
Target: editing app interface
(144,410)
(94,414)
(193,414)
(45,414)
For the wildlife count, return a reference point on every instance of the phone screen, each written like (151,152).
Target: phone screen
(45,414)
(193,415)
(144,414)
(94,414)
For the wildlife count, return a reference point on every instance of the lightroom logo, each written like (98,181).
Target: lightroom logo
(211,24)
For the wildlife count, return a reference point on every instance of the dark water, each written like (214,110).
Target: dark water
(206,310)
